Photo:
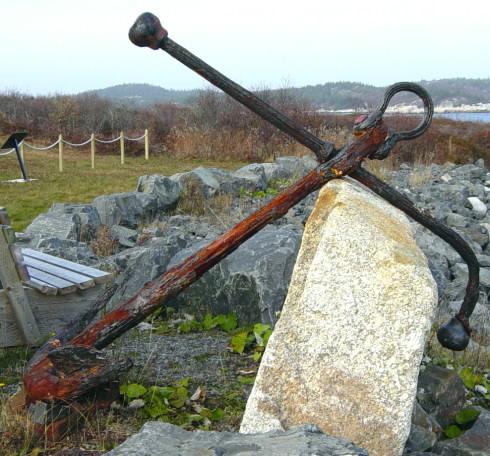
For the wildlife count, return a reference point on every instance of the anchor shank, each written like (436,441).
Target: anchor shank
(322,149)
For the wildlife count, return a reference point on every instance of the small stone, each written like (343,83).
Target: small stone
(125,236)
(456,220)
(144,326)
(478,206)
(136,404)
(485,277)
(446,178)
(480,389)
(483,260)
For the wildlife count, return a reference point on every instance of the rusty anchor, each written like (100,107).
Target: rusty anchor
(71,366)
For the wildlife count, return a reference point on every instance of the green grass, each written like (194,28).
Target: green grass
(78,183)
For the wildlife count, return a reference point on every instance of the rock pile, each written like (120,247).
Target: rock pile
(151,233)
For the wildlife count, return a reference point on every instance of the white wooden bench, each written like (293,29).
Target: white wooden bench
(40,292)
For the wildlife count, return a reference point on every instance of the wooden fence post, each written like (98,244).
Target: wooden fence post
(450,146)
(92,150)
(60,153)
(122,147)
(15,290)
(147,145)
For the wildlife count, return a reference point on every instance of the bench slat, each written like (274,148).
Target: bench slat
(80,280)
(41,286)
(63,286)
(96,274)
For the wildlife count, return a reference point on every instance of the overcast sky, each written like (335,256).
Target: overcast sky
(54,46)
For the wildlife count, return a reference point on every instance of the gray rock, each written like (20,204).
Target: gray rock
(137,266)
(441,393)
(309,162)
(420,439)
(456,220)
(255,176)
(165,189)
(124,236)
(127,209)
(424,431)
(61,226)
(478,206)
(251,282)
(294,166)
(156,438)
(474,442)
(209,182)
(273,172)
(89,217)
(78,252)
(478,234)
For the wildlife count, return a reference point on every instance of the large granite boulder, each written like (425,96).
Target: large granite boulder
(346,352)
(156,438)
(251,282)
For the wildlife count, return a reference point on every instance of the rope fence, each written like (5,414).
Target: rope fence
(92,141)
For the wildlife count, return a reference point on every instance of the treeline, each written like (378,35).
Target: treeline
(216,126)
(330,96)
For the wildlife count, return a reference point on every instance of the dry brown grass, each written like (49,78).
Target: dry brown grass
(104,244)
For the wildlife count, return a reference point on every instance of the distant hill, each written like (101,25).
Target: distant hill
(330,96)
(144,94)
(352,95)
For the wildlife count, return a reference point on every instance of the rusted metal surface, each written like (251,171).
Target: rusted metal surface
(71,365)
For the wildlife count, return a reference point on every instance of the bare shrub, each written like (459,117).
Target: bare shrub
(104,244)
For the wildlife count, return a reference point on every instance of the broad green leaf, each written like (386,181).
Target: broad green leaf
(466,415)
(257,355)
(227,322)
(134,391)
(183,382)
(260,328)
(266,336)
(470,379)
(161,391)
(246,380)
(178,399)
(194,418)
(189,326)
(217,415)
(156,408)
(238,342)
(452,431)
(206,412)
(209,322)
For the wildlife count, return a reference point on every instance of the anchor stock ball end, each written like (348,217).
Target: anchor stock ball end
(453,335)
(147,31)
